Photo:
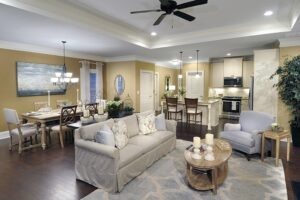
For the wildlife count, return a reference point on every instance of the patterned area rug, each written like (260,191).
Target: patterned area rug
(165,179)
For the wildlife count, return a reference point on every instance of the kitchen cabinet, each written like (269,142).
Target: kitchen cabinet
(233,67)
(248,71)
(217,70)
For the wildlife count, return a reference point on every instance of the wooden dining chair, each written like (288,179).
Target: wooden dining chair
(22,131)
(92,107)
(191,106)
(39,104)
(172,108)
(67,116)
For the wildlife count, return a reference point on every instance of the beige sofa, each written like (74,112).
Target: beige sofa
(109,168)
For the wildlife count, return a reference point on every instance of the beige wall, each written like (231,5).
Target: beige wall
(283,113)
(201,67)
(8,92)
(163,72)
(127,70)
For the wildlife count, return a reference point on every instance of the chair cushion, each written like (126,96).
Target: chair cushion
(132,125)
(26,131)
(193,111)
(56,128)
(232,127)
(146,142)
(88,132)
(162,136)
(160,122)
(174,109)
(240,137)
(129,153)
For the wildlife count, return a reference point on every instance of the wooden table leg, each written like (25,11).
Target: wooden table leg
(214,180)
(43,128)
(288,148)
(277,151)
(262,152)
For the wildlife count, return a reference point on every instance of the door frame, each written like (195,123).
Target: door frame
(153,95)
(156,73)
(195,71)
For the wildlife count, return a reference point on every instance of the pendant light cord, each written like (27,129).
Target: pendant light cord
(181,61)
(197,61)
(64,47)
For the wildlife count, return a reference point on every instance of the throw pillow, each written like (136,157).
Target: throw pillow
(120,132)
(146,124)
(160,122)
(105,136)
(232,127)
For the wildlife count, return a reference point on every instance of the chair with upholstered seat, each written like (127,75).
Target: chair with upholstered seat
(191,106)
(17,129)
(246,136)
(173,109)
(92,108)
(67,116)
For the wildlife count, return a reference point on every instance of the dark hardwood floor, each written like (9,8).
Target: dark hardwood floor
(49,174)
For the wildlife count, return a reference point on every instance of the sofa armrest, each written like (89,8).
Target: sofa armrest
(232,127)
(171,125)
(98,148)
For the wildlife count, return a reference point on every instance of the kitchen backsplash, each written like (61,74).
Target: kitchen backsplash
(219,92)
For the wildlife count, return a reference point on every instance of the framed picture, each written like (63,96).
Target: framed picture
(34,79)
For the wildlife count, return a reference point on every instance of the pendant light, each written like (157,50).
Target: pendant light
(197,75)
(63,79)
(180,69)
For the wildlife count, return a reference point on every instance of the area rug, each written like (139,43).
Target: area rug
(165,179)
(296,189)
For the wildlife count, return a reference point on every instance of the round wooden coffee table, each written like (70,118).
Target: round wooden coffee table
(206,175)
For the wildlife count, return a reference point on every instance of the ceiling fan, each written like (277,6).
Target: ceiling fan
(170,6)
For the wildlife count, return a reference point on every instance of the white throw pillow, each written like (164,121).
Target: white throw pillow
(105,136)
(147,124)
(232,127)
(160,122)
(120,132)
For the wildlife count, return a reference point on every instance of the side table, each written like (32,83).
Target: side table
(277,136)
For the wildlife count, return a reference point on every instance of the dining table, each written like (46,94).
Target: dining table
(45,117)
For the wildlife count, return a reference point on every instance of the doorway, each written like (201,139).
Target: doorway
(146,90)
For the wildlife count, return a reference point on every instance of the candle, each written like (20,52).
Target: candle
(101,110)
(209,139)
(49,98)
(197,142)
(77,97)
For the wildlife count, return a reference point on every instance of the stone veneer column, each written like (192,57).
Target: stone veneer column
(265,95)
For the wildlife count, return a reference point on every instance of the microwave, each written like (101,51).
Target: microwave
(233,82)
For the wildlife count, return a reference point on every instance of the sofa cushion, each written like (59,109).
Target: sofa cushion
(160,122)
(105,136)
(120,132)
(132,125)
(240,137)
(129,153)
(88,132)
(162,136)
(146,142)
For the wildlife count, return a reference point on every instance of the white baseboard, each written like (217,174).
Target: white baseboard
(4,135)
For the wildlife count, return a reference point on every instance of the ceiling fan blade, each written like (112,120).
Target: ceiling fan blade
(191,4)
(158,21)
(145,11)
(184,16)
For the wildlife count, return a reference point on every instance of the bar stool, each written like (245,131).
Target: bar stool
(191,106)
(172,108)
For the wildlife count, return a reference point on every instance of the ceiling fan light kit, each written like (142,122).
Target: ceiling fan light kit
(171,7)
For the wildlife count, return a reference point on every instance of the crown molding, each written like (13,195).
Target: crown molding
(289,42)
(45,50)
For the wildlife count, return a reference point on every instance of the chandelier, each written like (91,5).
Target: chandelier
(63,79)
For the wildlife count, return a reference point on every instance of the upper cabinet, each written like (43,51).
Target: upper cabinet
(233,67)
(248,71)
(217,70)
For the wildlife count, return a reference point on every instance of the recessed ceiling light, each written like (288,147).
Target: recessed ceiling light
(153,34)
(175,62)
(268,13)
(229,54)
(190,57)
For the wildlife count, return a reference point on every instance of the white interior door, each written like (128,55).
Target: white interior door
(156,91)
(146,91)
(194,85)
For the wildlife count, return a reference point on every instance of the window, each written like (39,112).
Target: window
(93,81)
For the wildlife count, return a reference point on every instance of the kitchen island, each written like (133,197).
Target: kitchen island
(209,107)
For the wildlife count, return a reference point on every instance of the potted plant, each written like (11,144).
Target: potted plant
(181,93)
(114,108)
(288,87)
